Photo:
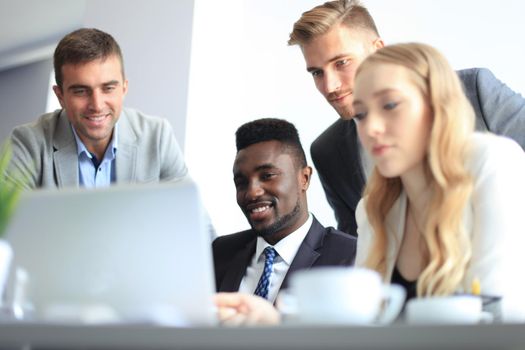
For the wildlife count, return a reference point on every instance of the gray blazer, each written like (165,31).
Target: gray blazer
(46,151)
(335,152)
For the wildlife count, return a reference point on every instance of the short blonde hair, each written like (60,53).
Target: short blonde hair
(322,18)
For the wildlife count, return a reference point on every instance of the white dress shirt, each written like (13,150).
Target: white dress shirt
(104,174)
(286,250)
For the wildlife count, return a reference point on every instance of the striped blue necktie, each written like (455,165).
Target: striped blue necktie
(264,281)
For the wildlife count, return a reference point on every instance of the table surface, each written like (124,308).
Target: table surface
(47,336)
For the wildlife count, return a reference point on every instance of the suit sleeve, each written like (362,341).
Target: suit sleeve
(502,109)
(344,215)
(24,168)
(173,166)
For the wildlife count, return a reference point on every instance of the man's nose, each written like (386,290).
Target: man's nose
(96,101)
(254,190)
(332,82)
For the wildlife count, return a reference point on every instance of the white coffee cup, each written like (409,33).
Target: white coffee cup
(344,295)
(454,309)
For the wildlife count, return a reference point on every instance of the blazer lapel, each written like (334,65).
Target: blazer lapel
(65,158)
(308,252)
(232,278)
(126,162)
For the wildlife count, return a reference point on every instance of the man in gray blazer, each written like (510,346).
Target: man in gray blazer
(335,38)
(93,141)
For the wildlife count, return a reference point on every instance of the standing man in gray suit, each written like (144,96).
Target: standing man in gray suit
(93,141)
(335,38)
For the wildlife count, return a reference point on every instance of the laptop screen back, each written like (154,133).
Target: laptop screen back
(138,253)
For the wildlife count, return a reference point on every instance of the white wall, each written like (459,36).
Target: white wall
(29,31)
(242,69)
(22,94)
(471,33)
(155,37)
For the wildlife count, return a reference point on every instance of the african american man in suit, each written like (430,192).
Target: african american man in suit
(271,179)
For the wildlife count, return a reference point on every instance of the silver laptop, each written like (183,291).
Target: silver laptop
(120,254)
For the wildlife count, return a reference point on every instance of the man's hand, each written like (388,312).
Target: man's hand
(237,309)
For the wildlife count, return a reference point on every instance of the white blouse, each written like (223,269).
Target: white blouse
(494,217)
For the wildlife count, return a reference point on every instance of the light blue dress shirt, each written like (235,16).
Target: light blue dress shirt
(90,175)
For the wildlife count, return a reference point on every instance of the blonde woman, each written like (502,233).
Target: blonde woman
(443,207)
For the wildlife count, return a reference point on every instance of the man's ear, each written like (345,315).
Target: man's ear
(59,94)
(379,43)
(125,86)
(306,176)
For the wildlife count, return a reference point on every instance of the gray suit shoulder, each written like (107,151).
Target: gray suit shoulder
(142,123)
(477,74)
(498,108)
(32,145)
(39,128)
(156,141)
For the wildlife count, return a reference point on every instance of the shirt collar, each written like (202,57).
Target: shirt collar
(288,246)
(81,148)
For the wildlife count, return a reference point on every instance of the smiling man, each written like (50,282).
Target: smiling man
(93,141)
(271,179)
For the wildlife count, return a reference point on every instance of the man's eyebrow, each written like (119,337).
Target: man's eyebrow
(335,58)
(265,166)
(81,86)
(111,82)
(78,86)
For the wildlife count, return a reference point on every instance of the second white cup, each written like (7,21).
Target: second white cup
(454,309)
(345,295)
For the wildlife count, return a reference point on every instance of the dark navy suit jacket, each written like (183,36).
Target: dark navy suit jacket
(232,254)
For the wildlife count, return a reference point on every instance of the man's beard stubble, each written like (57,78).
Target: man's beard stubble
(281,223)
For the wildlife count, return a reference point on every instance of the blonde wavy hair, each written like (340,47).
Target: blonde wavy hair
(450,184)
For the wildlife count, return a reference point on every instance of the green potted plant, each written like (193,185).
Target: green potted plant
(9,193)
(9,196)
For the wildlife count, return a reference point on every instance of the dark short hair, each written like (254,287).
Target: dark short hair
(84,45)
(271,129)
